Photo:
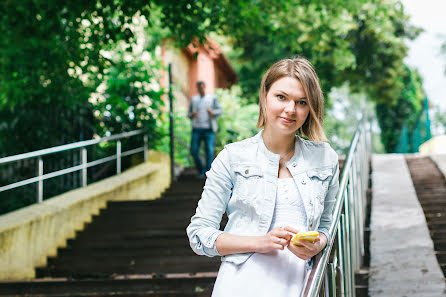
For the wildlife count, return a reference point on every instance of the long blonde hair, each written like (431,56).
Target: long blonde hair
(302,70)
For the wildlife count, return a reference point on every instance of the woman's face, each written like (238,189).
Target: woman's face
(286,106)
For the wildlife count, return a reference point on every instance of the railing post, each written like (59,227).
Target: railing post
(146,148)
(344,260)
(331,275)
(118,157)
(171,128)
(84,167)
(40,183)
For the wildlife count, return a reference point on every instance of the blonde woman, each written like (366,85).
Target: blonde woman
(271,186)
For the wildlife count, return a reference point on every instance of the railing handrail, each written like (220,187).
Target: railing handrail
(83,167)
(321,261)
(67,147)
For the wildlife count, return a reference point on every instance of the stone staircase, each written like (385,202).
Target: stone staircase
(430,185)
(132,248)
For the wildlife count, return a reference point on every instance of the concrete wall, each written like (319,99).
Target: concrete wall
(31,234)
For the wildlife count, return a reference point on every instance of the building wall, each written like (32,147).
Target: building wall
(181,66)
(193,64)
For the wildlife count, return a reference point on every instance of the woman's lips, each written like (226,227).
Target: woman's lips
(287,120)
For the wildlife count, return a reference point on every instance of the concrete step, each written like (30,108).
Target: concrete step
(178,249)
(185,286)
(100,267)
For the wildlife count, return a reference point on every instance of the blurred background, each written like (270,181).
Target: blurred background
(78,70)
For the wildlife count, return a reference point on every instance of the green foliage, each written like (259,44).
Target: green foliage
(357,42)
(404,112)
(49,64)
(131,95)
(238,120)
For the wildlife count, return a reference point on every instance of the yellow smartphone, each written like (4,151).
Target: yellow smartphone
(308,236)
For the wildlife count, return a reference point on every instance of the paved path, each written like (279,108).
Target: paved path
(402,258)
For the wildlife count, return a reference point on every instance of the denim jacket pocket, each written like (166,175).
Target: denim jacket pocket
(247,187)
(320,179)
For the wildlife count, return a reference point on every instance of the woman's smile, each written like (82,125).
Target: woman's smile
(287,120)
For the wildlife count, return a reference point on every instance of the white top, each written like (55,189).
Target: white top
(202,119)
(277,273)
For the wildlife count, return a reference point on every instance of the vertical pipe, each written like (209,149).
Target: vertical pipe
(146,148)
(355,202)
(359,208)
(341,274)
(171,127)
(351,237)
(40,183)
(331,274)
(345,261)
(84,167)
(118,157)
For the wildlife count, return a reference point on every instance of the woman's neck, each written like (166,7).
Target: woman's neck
(281,144)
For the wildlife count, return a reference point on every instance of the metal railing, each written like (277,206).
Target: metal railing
(335,275)
(83,167)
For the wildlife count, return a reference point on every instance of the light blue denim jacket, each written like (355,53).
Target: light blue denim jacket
(243,181)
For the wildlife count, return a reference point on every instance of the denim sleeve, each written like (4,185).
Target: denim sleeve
(330,199)
(204,227)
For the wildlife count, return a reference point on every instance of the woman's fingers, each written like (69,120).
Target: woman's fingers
(300,251)
(281,241)
(290,229)
(283,234)
(306,250)
(280,233)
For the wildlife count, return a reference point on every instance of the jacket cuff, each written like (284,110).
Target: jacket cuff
(327,234)
(207,246)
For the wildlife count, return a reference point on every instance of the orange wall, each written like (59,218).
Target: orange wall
(202,69)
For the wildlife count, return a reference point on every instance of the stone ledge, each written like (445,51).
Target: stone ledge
(440,161)
(31,234)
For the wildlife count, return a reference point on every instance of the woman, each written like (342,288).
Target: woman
(271,186)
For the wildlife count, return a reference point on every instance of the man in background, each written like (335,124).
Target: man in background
(204,109)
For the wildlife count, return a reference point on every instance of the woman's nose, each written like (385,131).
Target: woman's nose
(290,106)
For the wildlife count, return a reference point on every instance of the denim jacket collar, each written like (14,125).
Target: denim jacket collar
(297,157)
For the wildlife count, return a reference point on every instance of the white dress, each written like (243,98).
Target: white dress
(277,273)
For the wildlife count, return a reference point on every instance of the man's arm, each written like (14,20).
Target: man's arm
(216,107)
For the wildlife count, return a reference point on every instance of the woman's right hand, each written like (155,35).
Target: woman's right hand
(276,239)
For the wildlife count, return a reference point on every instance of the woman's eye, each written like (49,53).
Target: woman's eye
(302,102)
(281,97)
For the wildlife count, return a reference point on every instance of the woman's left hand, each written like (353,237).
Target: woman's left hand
(308,249)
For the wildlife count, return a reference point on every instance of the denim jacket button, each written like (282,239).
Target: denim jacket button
(303,182)
(247,171)
(294,164)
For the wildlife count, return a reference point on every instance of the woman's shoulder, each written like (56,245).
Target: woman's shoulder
(244,144)
(241,151)
(320,149)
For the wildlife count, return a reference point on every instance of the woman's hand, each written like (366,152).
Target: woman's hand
(276,239)
(308,249)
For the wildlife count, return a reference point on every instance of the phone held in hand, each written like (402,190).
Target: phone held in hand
(308,236)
